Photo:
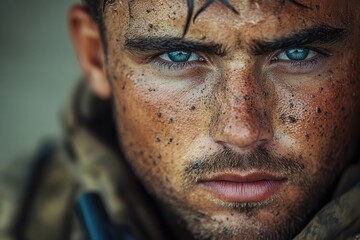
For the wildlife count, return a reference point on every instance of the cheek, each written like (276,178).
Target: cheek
(319,123)
(157,125)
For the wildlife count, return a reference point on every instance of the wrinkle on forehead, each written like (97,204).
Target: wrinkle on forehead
(155,16)
(250,12)
(170,15)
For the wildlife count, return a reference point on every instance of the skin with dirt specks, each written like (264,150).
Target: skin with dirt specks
(303,116)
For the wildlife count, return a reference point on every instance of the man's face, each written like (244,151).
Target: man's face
(242,126)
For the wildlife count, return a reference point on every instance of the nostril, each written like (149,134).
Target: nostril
(241,134)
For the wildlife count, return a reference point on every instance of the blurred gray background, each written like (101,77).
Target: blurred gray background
(37,72)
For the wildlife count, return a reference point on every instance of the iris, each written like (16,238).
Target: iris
(179,56)
(296,54)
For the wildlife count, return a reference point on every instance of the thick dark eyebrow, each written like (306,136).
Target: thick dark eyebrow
(169,44)
(323,34)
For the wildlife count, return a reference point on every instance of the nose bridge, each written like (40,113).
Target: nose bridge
(239,120)
(240,88)
(240,79)
(239,97)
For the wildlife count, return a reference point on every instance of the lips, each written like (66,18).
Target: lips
(254,187)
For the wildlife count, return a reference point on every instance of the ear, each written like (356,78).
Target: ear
(86,38)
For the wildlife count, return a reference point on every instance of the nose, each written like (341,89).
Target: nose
(241,121)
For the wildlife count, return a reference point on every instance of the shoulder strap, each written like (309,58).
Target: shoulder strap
(33,179)
(43,208)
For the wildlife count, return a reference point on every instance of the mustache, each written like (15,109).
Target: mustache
(227,159)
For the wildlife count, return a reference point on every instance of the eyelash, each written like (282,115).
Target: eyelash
(174,66)
(306,63)
(300,64)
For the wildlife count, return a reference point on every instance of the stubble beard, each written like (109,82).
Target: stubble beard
(244,219)
(247,224)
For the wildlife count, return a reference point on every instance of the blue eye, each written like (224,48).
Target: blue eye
(296,54)
(179,56)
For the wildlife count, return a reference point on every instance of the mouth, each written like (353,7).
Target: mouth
(254,187)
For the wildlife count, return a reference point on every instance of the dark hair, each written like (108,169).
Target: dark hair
(97,7)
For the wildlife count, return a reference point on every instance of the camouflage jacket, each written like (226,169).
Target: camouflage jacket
(37,194)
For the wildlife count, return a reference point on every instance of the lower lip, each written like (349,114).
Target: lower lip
(256,191)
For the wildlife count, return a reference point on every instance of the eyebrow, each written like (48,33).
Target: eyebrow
(172,44)
(323,34)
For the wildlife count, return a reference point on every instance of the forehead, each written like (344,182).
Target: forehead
(164,17)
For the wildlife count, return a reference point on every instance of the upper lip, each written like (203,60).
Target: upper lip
(244,178)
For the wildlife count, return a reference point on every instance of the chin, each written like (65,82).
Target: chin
(252,224)
(275,218)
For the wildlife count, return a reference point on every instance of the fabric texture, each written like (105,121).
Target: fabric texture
(37,194)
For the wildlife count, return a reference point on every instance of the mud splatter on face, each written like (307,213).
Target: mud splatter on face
(290,111)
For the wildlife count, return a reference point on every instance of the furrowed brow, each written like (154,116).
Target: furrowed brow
(323,34)
(142,44)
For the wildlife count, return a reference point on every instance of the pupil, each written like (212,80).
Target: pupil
(179,56)
(297,53)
